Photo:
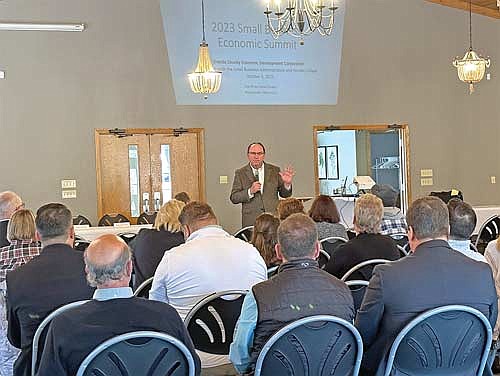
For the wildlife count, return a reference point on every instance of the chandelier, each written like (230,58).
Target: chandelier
(204,79)
(300,17)
(472,66)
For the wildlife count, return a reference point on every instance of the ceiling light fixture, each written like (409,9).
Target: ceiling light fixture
(472,66)
(204,79)
(28,26)
(300,17)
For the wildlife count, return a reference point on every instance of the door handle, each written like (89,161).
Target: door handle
(145,202)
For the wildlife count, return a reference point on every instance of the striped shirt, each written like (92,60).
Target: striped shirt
(18,253)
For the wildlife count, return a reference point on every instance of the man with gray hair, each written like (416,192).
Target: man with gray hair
(432,276)
(112,311)
(299,289)
(10,202)
(53,279)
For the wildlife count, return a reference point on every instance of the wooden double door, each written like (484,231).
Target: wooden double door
(138,170)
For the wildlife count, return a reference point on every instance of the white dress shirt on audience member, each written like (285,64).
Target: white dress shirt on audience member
(210,261)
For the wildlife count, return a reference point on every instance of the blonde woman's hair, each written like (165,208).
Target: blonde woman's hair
(21,226)
(168,216)
(368,212)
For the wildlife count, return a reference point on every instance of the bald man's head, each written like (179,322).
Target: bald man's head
(108,262)
(9,203)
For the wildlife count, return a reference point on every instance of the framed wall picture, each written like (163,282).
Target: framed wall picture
(322,162)
(332,162)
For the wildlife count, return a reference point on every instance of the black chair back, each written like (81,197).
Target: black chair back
(365,268)
(211,322)
(323,258)
(143,290)
(489,231)
(401,239)
(330,245)
(449,340)
(244,233)
(147,218)
(81,220)
(111,219)
(127,237)
(358,290)
(316,345)
(139,353)
(80,244)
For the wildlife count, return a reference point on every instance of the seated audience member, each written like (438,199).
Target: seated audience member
(289,206)
(426,279)
(48,281)
(210,261)
(9,203)
(492,256)
(265,237)
(367,245)
(23,247)
(462,224)
(393,220)
(112,311)
(183,197)
(299,283)
(326,216)
(150,244)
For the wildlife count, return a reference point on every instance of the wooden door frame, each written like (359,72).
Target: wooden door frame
(200,132)
(367,127)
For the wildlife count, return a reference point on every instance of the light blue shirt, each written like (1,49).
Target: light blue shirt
(463,246)
(113,293)
(239,352)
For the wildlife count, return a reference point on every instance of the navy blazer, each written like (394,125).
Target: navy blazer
(434,275)
(35,289)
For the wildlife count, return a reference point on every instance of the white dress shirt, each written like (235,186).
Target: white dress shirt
(210,261)
(259,171)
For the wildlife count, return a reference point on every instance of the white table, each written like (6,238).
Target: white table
(91,233)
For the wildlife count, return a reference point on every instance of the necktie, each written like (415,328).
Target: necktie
(256,174)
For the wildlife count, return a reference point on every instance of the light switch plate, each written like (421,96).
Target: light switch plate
(71,193)
(2,75)
(67,184)
(425,173)
(426,181)
(223,179)
(493,179)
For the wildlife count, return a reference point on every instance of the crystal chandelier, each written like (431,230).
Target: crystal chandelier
(472,66)
(204,79)
(300,17)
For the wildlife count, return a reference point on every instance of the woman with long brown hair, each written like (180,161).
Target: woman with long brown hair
(265,237)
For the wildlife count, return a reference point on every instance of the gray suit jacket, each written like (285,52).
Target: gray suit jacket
(251,208)
(435,275)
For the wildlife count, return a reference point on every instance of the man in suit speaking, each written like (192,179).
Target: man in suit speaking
(256,185)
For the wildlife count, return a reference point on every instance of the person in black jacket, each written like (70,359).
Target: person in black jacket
(150,244)
(112,311)
(368,243)
(47,282)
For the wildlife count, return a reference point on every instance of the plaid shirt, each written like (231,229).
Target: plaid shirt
(393,226)
(19,252)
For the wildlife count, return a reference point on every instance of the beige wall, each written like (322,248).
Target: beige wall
(396,67)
